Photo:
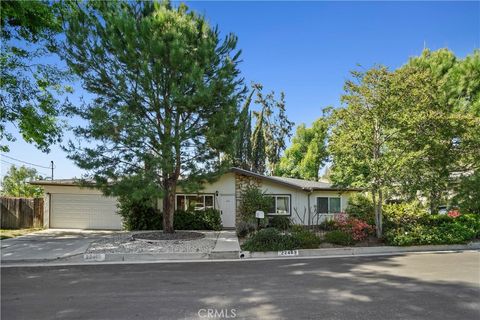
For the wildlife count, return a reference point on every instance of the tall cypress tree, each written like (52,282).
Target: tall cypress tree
(243,142)
(258,145)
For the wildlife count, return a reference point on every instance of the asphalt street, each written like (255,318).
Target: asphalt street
(413,286)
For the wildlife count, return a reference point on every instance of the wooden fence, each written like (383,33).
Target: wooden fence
(17,213)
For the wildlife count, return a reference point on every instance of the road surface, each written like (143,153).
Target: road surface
(413,286)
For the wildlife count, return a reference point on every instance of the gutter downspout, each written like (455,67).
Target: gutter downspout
(309,207)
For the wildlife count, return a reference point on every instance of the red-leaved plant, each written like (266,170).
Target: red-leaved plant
(358,229)
(453,213)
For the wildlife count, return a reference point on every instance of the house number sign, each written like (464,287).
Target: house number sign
(288,253)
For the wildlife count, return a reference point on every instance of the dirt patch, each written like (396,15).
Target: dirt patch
(159,236)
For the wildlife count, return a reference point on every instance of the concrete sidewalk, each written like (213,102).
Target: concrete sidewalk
(357,251)
(227,246)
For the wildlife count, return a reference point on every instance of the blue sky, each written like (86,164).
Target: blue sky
(308,48)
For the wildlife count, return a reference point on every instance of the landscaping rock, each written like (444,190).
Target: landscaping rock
(122,243)
(158,235)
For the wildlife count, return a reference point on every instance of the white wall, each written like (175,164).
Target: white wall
(63,190)
(224,185)
(299,198)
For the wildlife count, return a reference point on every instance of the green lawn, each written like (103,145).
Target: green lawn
(12,233)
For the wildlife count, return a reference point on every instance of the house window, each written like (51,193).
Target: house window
(195,202)
(279,205)
(328,205)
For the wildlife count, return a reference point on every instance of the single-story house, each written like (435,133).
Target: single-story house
(306,202)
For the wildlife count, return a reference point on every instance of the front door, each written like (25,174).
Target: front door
(227,207)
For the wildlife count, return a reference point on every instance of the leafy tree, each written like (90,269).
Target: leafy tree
(15,183)
(307,153)
(363,142)
(272,129)
(30,88)
(166,92)
(444,137)
(277,126)
(468,193)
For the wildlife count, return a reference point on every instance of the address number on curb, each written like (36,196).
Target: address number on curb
(94,257)
(288,253)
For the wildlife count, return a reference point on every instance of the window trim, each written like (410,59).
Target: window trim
(275,195)
(328,202)
(195,195)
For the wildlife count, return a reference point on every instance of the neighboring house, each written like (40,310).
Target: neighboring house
(306,202)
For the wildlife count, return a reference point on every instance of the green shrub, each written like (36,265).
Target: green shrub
(271,239)
(339,237)
(253,200)
(139,214)
(280,222)
(142,215)
(403,214)
(435,229)
(209,219)
(361,207)
(305,239)
(328,225)
(244,228)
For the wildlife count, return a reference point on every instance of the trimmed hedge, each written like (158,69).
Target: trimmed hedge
(271,239)
(209,219)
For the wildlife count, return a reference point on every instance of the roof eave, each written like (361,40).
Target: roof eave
(260,176)
(63,184)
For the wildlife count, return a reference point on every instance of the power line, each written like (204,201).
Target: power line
(32,164)
(13,164)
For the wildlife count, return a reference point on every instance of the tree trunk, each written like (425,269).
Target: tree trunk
(380,214)
(377,204)
(168,207)
(433,202)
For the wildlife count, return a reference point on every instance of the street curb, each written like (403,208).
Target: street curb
(354,251)
(242,255)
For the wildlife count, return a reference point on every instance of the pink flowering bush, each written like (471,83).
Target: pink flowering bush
(453,213)
(358,229)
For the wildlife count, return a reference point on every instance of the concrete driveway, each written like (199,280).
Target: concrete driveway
(49,244)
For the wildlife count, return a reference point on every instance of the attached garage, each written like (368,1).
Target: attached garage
(68,206)
(83,211)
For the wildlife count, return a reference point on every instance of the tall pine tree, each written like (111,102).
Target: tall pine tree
(166,90)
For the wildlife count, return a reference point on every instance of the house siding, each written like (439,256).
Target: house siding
(232,185)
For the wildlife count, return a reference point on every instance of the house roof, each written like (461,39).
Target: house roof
(62,182)
(305,185)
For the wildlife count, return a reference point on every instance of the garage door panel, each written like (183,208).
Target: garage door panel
(84,212)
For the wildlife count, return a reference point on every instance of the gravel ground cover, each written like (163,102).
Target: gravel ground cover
(125,243)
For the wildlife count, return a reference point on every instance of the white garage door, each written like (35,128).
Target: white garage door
(89,211)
